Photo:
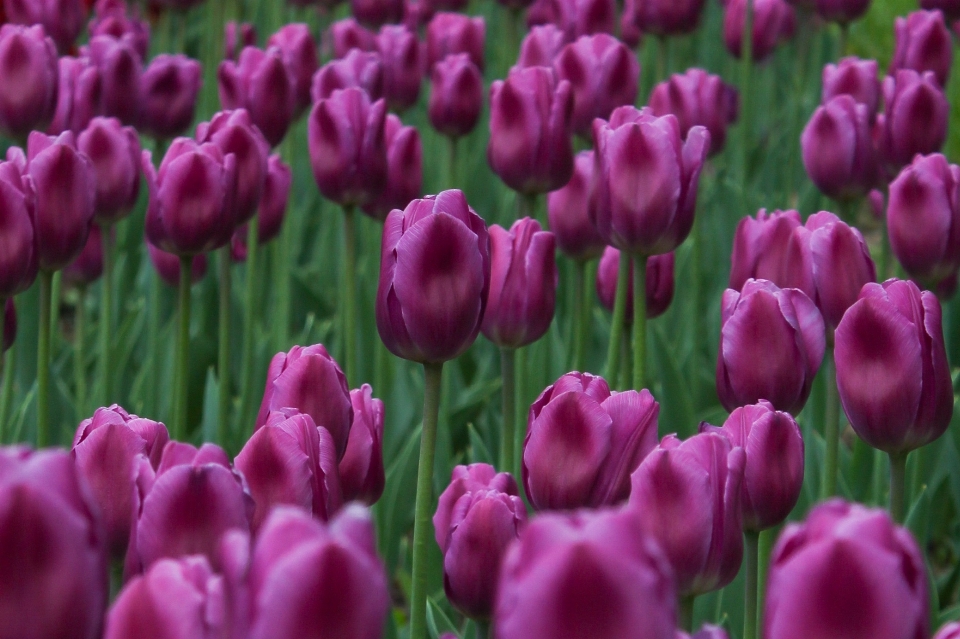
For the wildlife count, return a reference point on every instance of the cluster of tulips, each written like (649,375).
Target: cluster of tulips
(269,533)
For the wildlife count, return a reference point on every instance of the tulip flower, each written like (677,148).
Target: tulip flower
(847,571)
(19,261)
(168,95)
(763,249)
(298,561)
(923,44)
(399,51)
(111,19)
(120,67)
(237,36)
(78,97)
(773,22)
(452,33)
(838,151)
(659,283)
(28,79)
(568,212)
(167,265)
(63,20)
(914,119)
(708,631)
(456,96)
(856,78)
(261,83)
(479,515)
(345,35)
(575,18)
(588,574)
(375,13)
(299,52)
(541,46)
(88,267)
(234,132)
(948,631)
(923,219)
(114,154)
(359,69)
(698,98)
(771,344)
(665,18)
(361,468)
(404,169)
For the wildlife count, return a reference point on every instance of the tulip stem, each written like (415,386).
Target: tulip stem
(842,41)
(432,376)
(898,476)
(619,313)
(751,551)
(223,348)
(9,367)
(508,403)
(450,172)
(151,401)
(685,612)
(639,320)
(43,360)
(183,351)
(831,429)
(746,70)
(350,294)
(247,414)
(483,629)
(767,539)
(79,371)
(106,318)
(581,315)
(284,264)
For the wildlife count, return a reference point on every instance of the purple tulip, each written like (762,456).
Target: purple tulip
(310,381)
(307,579)
(78,96)
(949,8)
(375,13)
(949,631)
(583,442)
(348,147)
(451,33)
(892,370)
(111,19)
(630,33)
(299,52)
(404,169)
(923,44)
(838,150)
(345,35)
(63,20)
(772,341)
(290,460)
(434,278)
(456,95)
(914,118)
(587,574)
(261,83)
(236,37)
(773,472)
(175,599)
(707,631)
(114,154)
(659,285)
(479,515)
(192,197)
(541,46)
(763,249)
(88,267)
(856,78)
(28,79)
(19,260)
(575,18)
(841,11)
(687,496)
(120,68)
(167,265)
(361,469)
(568,212)
(773,22)
(698,98)
(666,18)
(168,95)
(647,178)
(399,51)
(847,571)
(360,69)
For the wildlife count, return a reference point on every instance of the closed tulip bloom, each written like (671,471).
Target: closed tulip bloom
(111,19)
(63,20)
(299,51)
(361,469)
(647,177)
(120,68)
(456,95)
(175,599)
(290,460)
(167,266)
(78,97)
(948,631)
(475,523)
(88,267)
(451,33)
(52,559)
(838,150)
(914,118)
(375,13)
(28,79)
(856,78)
(192,208)
(773,22)
(299,562)
(585,575)
(568,213)
(763,249)
(923,44)
(841,11)
(261,83)
(9,324)
(686,495)
(583,442)
(698,98)
(235,133)
(236,36)
(348,149)
(847,571)
(659,285)
(399,51)
(404,169)
(114,154)
(541,46)
(434,278)
(892,370)
(19,257)
(575,18)
(359,69)
(311,381)
(663,18)
(168,95)
(345,35)
(772,341)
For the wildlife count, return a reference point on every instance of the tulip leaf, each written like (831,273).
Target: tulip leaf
(479,453)
(395,509)
(211,411)
(949,614)
(437,620)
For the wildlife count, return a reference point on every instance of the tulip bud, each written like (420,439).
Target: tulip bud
(111,20)
(838,151)
(19,260)
(659,285)
(698,98)
(261,83)
(88,267)
(63,20)
(630,33)
(361,469)
(892,370)
(375,13)
(434,278)
(298,561)
(847,571)
(948,631)
(404,169)
(236,37)
(175,599)
(399,51)
(28,79)
(78,97)
(167,266)
(646,201)
(192,208)
(687,496)
(345,35)
(914,119)
(841,11)
(478,516)
(923,44)
(456,95)
(348,148)
(568,212)
(666,18)
(530,146)
(358,69)
(575,17)
(541,46)
(52,557)
(771,344)
(114,154)
(452,33)
(290,460)
(856,78)
(120,68)
(310,381)
(763,249)
(299,52)
(773,22)
(168,95)
(592,568)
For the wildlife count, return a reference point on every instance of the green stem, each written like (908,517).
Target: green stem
(43,360)
(432,374)
(349,288)
(6,373)
(151,399)
(898,472)
(581,315)
(685,612)
(508,403)
(223,349)
(521,405)
(106,317)
(831,429)
(450,171)
(619,312)
(79,370)
(844,38)
(662,54)
(183,352)
(252,267)
(883,268)
(751,552)
(9,368)
(696,294)
(483,629)
(55,308)
(794,106)
(767,539)
(639,320)
(746,70)
(626,364)
(284,262)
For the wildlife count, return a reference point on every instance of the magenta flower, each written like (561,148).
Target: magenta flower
(568,213)
(659,284)
(261,83)
(168,95)
(698,98)
(114,154)
(361,468)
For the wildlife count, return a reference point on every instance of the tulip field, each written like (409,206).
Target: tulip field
(479,319)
